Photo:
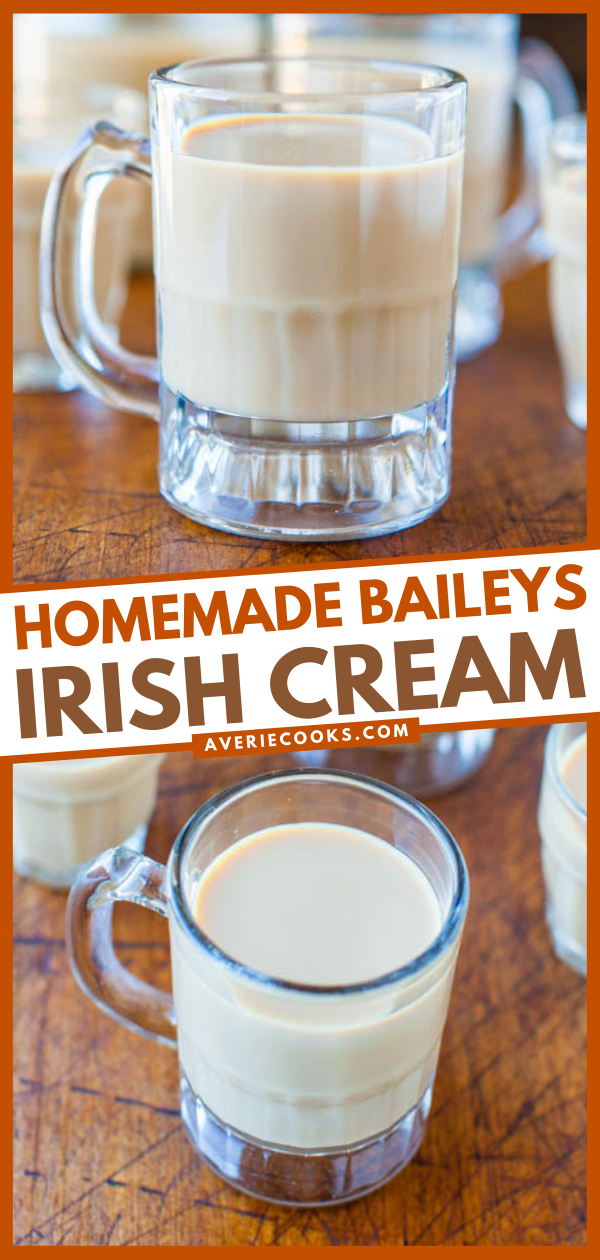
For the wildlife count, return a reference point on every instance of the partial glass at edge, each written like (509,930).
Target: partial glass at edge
(496,239)
(565,224)
(562,824)
(306,355)
(47,120)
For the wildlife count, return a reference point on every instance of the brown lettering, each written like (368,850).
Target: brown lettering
(349,682)
(280,689)
(55,704)
(471,650)
(523,655)
(150,691)
(229,688)
(407,675)
(26,699)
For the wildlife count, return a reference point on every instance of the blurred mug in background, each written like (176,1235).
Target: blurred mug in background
(484,47)
(564,199)
(72,50)
(47,121)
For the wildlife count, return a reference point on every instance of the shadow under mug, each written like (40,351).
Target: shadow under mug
(306,237)
(294,1093)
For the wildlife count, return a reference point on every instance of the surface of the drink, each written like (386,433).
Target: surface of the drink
(573,770)
(318,904)
(490,73)
(306,265)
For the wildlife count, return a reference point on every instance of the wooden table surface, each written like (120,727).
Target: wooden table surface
(101,1157)
(87,504)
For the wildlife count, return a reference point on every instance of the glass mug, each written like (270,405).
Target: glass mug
(294,1093)
(562,821)
(46,123)
(68,51)
(306,226)
(484,48)
(442,761)
(64,812)
(564,199)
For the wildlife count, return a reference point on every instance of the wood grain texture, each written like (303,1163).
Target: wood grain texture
(87,504)
(101,1157)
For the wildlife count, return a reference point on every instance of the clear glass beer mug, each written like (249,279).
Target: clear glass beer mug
(562,823)
(306,230)
(46,122)
(495,241)
(564,201)
(305,1093)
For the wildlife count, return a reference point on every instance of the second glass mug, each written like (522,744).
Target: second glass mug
(306,226)
(495,242)
(295,1093)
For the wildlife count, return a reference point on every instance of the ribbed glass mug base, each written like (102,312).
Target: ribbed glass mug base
(302,1178)
(274,479)
(64,879)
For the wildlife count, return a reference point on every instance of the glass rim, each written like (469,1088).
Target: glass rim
(451,79)
(447,933)
(551,762)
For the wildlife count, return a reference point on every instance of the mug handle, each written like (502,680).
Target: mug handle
(84,345)
(544,91)
(117,875)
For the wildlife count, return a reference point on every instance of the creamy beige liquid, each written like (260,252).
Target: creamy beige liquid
(32,172)
(306,266)
(565,224)
(67,812)
(564,845)
(317,905)
(490,74)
